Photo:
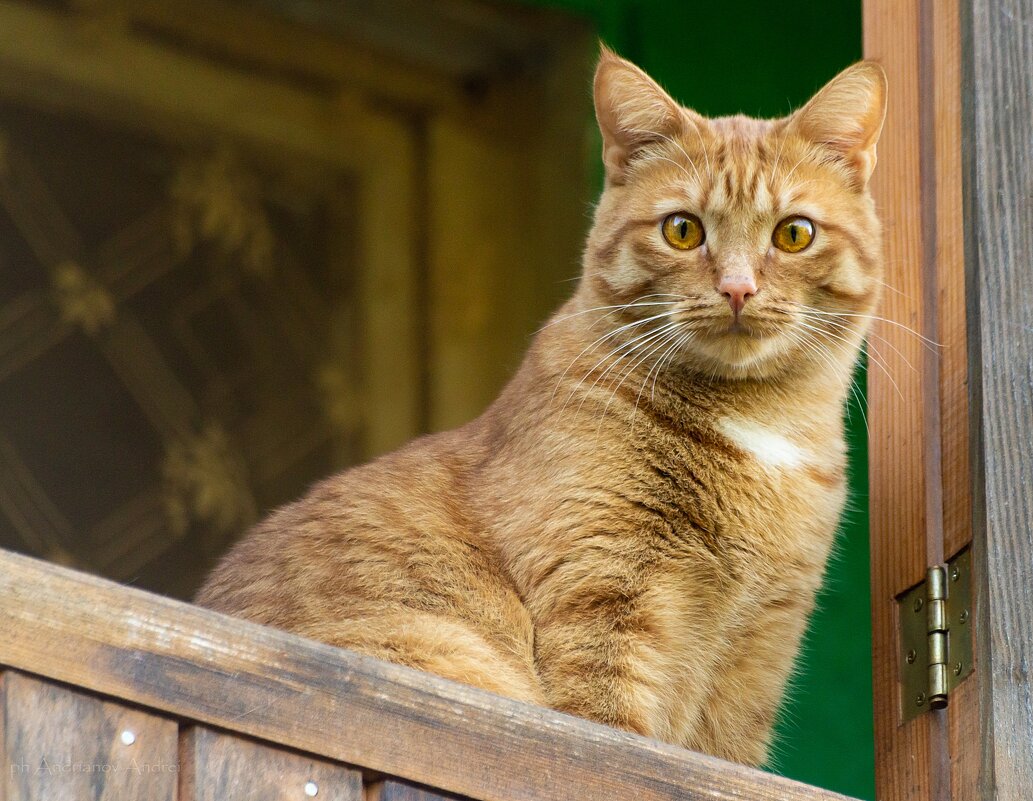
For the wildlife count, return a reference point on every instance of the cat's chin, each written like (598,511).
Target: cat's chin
(736,355)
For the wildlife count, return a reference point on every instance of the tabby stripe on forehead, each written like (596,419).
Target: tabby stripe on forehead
(753,183)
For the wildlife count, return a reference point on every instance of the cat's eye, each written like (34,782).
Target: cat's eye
(793,234)
(682,231)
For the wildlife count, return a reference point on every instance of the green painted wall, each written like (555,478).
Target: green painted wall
(764,59)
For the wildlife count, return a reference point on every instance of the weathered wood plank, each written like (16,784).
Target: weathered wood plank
(949,252)
(400,791)
(333,703)
(898,412)
(956,483)
(63,745)
(998,154)
(221,767)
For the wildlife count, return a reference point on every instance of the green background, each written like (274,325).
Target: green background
(764,59)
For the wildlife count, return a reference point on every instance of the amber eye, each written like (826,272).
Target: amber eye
(683,231)
(793,234)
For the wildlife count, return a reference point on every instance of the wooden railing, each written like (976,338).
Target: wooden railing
(113,693)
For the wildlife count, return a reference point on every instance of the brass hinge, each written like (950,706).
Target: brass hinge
(935,636)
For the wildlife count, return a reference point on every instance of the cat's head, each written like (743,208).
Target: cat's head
(752,245)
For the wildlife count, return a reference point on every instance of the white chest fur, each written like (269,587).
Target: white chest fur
(767,445)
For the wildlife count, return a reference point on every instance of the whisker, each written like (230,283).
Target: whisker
(868,337)
(913,332)
(631,346)
(657,366)
(634,304)
(609,335)
(706,153)
(669,356)
(892,288)
(778,157)
(672,161)
(785,178)
(822,353)
(688,158)
(628,373)
(876,361)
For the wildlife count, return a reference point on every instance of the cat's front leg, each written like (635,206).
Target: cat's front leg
(741,708)
(617,648)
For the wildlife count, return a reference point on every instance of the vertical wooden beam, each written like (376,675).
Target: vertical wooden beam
(507,221)
(897,391)
(950,276)
(223,767)
(998,154)
(390,285)
(58,743)
(962,747)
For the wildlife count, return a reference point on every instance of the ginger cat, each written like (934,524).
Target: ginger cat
(635,530)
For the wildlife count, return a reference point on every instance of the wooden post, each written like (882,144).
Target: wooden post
(950,456)
(998,147)
(903,387)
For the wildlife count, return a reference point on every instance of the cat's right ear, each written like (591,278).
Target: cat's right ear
(846,117)
(632,110)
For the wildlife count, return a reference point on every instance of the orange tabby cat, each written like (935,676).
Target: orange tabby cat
(635,530)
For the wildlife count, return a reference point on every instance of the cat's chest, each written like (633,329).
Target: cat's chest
(774,487)
(777,451)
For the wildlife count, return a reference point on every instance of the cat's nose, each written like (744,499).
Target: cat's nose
(737,289)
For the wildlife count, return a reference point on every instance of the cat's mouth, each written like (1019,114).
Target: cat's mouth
(743,328)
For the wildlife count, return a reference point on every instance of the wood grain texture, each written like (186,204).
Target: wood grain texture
(897,397)
(952,332)
(962,714)
(400,791)
(220,767)
(998,146)
(277,687)
(63,745)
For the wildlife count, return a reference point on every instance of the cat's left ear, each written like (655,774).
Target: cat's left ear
(632,110)
(846,117)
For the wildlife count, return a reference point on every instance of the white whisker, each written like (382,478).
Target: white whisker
(876,361)
(630,347)
(913,332)
(819,350)
(655,346)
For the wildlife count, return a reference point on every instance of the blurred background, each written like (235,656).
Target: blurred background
(246,243)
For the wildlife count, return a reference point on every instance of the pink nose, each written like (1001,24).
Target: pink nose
(738,289)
